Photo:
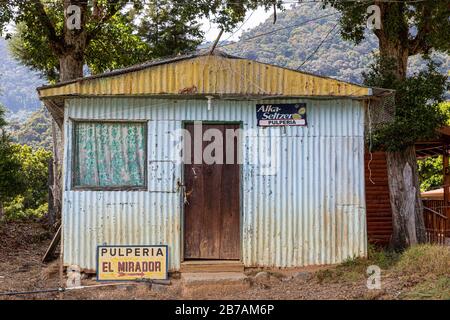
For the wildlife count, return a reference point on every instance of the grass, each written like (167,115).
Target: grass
(354,269)
(351,270)
(425,260)
(430,289)
(429,267)
(421,272)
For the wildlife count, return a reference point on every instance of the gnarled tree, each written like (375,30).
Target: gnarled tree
(408,28)
(60,37)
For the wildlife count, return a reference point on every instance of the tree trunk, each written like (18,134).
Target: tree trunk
(70,67)
(407,209)
(56,187)
(394,46)
(51,216)
(397,54)
(71,62)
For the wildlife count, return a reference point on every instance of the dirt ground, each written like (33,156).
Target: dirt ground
(22,246)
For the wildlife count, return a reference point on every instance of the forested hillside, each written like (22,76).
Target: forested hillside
(17,83)
(314,46)
(298,42)
(289,47)
(35,130)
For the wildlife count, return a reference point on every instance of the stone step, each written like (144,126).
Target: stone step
(203,266)
(199,284)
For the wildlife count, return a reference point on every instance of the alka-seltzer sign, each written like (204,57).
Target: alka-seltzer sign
(120,263)
(272,115)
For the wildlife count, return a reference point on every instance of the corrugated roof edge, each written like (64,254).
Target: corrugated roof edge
(141,66)
(166,60)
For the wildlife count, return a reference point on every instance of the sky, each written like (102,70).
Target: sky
(252,19)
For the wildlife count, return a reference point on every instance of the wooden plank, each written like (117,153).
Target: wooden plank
(212,195)
(211,266)
(49,254)
(378,206)
(230,227)
(446,181)
(193,206)
(51,214)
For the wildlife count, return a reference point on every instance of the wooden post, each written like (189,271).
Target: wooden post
(446,176)
(51,208)
(446,209)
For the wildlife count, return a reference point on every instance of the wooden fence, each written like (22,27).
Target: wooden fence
(437,225)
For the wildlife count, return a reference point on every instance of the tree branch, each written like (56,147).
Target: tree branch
(55,41)
(419,43)
(102,19)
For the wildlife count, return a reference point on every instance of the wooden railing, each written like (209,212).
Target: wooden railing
(437,225)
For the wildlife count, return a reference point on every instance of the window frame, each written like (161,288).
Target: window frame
(73,187)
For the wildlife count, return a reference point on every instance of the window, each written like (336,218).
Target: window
(109,155)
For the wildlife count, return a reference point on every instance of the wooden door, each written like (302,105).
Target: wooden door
(212,204)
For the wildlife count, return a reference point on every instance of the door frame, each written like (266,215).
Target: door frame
(241,193)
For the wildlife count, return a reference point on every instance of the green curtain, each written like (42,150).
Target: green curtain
(109,154)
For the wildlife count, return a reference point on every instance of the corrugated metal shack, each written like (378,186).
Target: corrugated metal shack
(124,185)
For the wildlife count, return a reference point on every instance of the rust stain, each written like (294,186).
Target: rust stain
(188,90)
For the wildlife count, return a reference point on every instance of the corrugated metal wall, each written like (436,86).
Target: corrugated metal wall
(309,210)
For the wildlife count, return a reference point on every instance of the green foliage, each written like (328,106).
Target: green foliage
(17,209)
(289,48)
(35,131)
(383,258)
(445,108)
(12,181)
(3,122)
(407,30)
(428,19)
(31,49)
(352,20)
(170,28)
(23,177)
(418,113)
(34,169)
(115,44)
(336,57)
(430,173)
(113,37)
(431,169)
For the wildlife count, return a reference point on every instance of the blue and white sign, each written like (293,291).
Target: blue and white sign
(273,115)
